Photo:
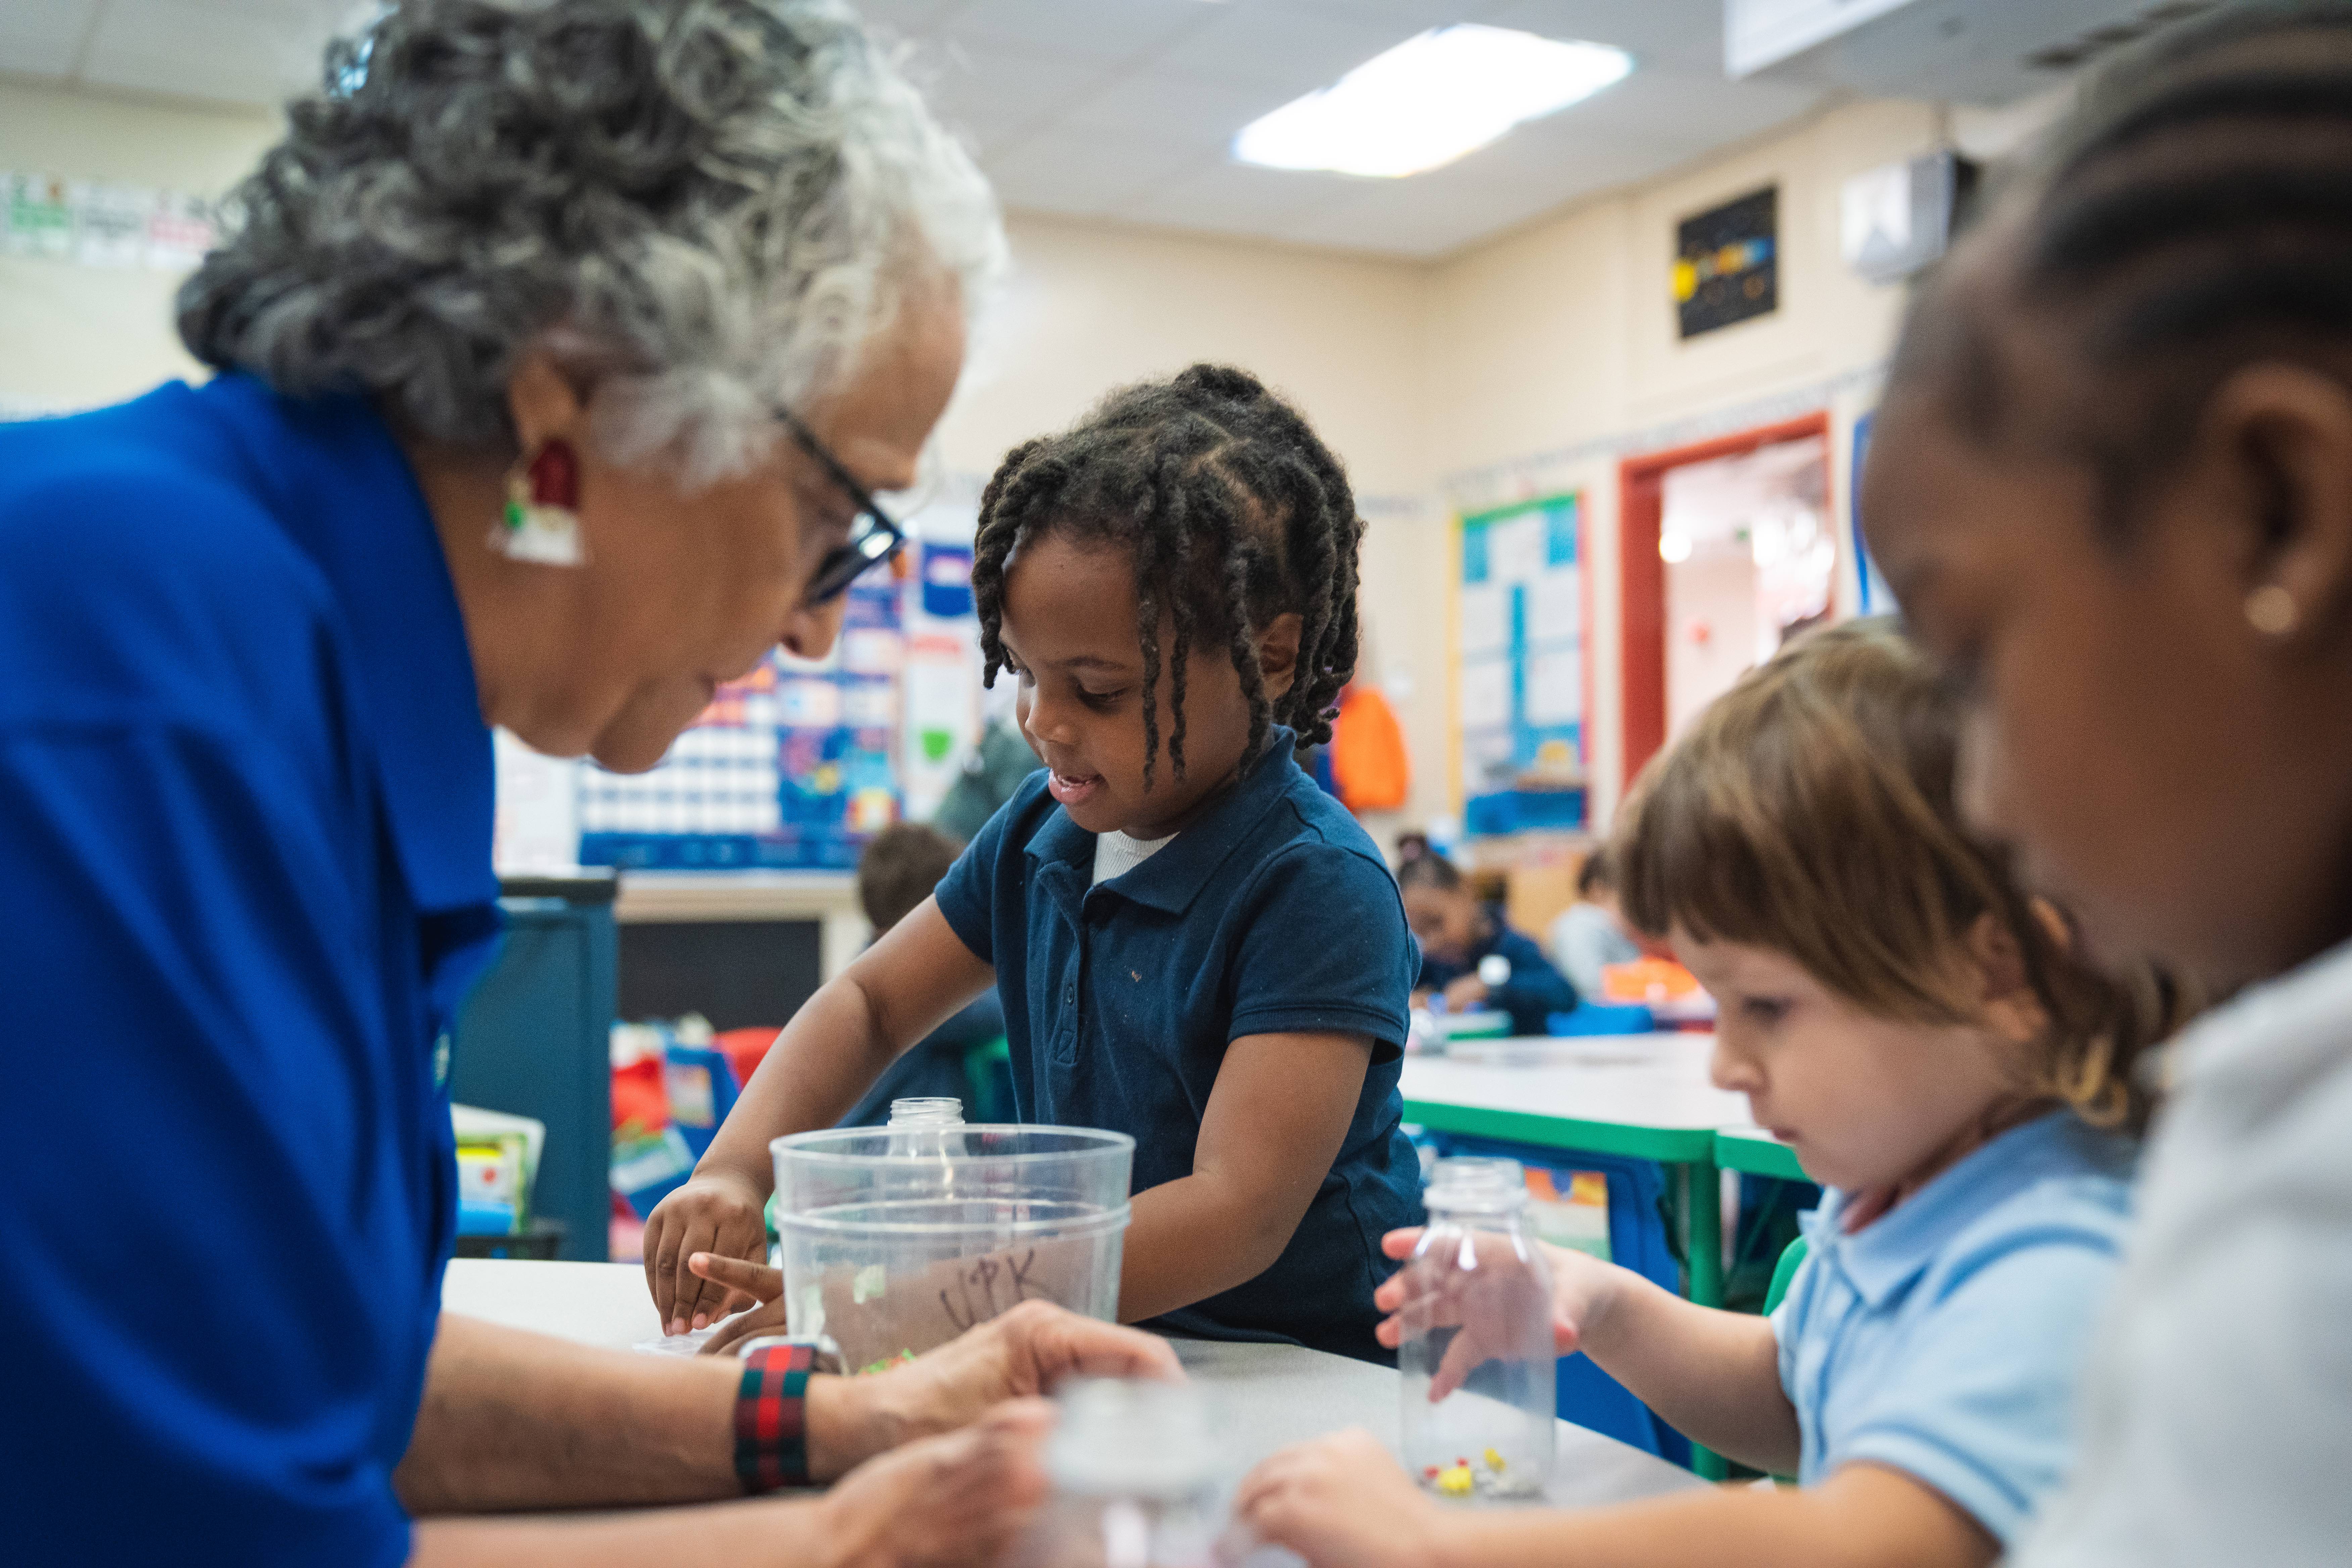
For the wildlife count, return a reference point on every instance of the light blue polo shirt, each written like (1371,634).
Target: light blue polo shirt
(1945,1338)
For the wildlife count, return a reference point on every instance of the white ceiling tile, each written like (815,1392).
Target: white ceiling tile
(1687,113)
(1416,15)
(1284,46)
(1122,30)
(996,95)
(1179,109)
(1557,168)
(40,37)
(252,51)
(1686,34)
(1085,171)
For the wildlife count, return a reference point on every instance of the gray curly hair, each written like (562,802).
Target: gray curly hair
(704,206)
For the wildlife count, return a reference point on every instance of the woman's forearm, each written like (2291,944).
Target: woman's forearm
(795,1533)
(1714,1377)
(515,1420)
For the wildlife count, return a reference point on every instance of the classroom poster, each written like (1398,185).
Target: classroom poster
(1873,596)
(1519,685)
(793,765)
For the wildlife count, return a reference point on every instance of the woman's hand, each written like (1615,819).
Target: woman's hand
(718,1212)
(1465,993)
(1486,1303)
(943,1502)
(1341,1502)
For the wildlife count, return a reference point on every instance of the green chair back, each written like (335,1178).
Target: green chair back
(1782,1272)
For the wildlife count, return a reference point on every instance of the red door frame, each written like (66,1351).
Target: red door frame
(1642,598)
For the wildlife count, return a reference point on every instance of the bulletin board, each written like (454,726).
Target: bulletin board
(1519,680)
(792,766)
(795,765)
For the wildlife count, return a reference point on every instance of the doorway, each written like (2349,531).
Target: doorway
(1727,549)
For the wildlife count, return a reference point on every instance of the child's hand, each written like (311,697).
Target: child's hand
(740,1280)
(1340,1502)
(1465,993)
(716,1212)
(1483,1302)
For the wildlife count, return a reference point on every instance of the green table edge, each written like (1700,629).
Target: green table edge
(1669,1145)
(1759,1157)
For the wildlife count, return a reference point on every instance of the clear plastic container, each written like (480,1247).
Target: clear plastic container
(895,1239)
(1136,1480)
(1477,1323)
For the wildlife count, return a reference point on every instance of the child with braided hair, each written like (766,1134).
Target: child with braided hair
(1194,944)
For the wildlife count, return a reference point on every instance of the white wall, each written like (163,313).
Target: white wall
(71,336)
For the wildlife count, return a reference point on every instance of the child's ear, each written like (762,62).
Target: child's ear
(1277,653)
(2011,1006)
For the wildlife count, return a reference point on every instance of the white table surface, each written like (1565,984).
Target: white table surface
(1262,1397)
(1636,1080)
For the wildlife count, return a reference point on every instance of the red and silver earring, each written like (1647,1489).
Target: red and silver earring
(539,524)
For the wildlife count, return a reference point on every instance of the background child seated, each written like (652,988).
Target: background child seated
(1192,944)
(1896,1008)
(900,867)
(1456,932)
(1590,934)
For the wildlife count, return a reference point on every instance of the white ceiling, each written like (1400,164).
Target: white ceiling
(1102,109)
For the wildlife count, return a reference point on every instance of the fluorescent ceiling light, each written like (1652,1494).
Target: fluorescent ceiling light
(1429,100)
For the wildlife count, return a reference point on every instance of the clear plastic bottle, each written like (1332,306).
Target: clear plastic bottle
(1477,1321)
(1136,1480)
(916,1122)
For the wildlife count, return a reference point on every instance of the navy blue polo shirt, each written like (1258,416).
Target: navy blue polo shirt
(244,831)
(1271,913)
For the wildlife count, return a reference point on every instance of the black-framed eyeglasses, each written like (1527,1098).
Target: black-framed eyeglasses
(874,536)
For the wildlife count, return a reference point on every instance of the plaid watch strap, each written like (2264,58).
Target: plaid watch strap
(771,1418)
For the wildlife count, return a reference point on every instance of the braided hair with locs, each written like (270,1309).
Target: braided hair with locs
(2192,215)
(1236,513)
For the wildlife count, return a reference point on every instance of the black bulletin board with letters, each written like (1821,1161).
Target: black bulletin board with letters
(1728,263)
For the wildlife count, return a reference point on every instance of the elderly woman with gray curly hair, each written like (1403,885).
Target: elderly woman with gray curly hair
(561,346)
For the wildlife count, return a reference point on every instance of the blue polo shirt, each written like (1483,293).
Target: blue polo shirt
(1271,913)
(245,830)
(1945,1339)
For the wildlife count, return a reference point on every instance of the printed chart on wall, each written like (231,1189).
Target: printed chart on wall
(793,767)
(1520,691)
(1874,597)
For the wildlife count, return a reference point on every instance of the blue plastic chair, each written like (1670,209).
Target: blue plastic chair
(1602,1018)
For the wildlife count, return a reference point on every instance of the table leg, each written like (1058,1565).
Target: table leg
(1702,1196)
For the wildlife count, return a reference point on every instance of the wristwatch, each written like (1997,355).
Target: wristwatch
(771,1408)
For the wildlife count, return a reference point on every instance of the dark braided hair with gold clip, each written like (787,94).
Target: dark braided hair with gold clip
(1236,513)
